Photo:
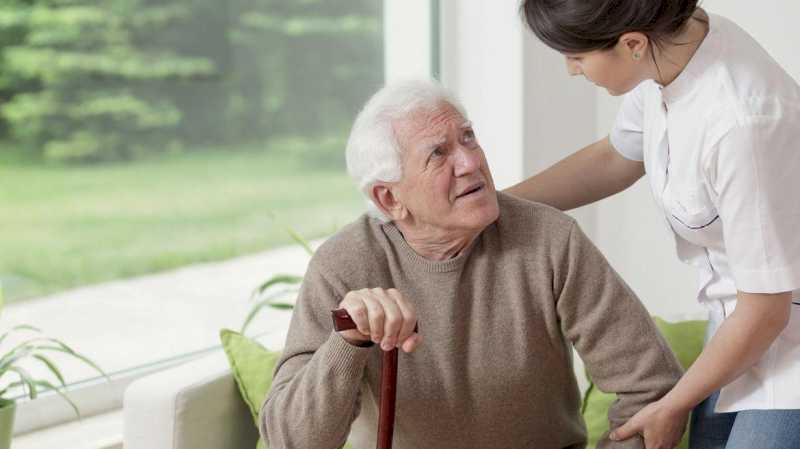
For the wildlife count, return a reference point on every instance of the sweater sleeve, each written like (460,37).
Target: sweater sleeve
(315,392)
(613,333)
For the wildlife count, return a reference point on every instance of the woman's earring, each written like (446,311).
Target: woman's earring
(636,56)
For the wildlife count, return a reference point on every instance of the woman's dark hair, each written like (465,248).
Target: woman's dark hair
(577,26)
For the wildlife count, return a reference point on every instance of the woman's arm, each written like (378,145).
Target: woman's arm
(591,174)
(738,344)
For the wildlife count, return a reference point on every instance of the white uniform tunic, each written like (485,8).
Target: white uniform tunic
(721,148)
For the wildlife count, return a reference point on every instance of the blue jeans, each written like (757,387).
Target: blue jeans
(748,429)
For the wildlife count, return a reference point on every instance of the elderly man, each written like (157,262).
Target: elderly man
(502,289)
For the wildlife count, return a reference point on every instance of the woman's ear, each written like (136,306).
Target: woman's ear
(635,44)
(384,197)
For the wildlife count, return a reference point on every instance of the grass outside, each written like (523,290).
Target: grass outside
(62,227)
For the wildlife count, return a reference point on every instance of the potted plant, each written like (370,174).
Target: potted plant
(36,347)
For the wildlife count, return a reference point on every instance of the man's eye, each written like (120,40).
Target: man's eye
(437,153)
(469,135)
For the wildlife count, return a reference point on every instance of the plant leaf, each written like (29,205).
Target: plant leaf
(26,327)
(251,315)
(62,344)
(281,305)
(14,384)
(13,352)
(272,296)
(13,357)
(18,328)
(52,367)
(27,343)
(48,385)
(300,240)
(27,380)
(23,349)
(278,279)
(257,308)
(76,355)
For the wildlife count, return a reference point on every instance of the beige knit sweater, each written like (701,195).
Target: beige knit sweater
(499,321)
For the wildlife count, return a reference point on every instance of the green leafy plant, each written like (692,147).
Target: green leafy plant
(90,81)
(40,348)
(279,291)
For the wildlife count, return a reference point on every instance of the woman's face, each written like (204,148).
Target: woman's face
(614,69)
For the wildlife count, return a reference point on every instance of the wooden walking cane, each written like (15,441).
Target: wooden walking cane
(341,322)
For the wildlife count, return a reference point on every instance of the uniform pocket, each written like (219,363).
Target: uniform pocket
(693,208)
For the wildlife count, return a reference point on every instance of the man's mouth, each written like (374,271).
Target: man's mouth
(473,188)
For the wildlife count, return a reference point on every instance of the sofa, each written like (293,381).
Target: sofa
(197,405)
(192,406)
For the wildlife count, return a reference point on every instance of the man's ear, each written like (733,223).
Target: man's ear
(383,196)
(635,44)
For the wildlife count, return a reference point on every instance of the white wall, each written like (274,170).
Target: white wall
(773,23)
(481,47)
(407,38)
(527,113)
(629,229)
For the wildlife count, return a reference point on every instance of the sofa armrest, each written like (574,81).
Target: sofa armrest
(193,406)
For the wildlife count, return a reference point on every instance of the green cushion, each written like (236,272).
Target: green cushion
(685,338)
(252,366)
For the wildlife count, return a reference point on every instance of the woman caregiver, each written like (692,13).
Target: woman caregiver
(715,123)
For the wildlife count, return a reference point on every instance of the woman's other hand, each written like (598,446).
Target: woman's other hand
(660,425)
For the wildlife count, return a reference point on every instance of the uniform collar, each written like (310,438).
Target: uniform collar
(699,63)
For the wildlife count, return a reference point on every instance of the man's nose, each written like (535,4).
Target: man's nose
(574,68)
(467,160)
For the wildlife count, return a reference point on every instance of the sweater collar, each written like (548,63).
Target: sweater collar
(433,266)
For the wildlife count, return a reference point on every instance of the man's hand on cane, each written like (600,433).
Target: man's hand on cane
(382,316)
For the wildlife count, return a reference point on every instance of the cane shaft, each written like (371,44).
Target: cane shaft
(387,401)
(342,321)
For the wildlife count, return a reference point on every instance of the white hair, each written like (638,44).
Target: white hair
(373,153)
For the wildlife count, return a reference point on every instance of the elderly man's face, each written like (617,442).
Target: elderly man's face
(446,181)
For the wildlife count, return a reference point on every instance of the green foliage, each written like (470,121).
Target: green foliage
(82,80)
(39,348)
(75,225)
(279,291)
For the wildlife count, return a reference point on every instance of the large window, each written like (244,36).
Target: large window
(157,155)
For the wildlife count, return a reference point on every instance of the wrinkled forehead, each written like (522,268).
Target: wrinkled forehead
(425,125)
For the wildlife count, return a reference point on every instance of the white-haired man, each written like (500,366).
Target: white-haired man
(502,289)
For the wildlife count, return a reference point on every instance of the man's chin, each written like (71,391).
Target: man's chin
(485,214)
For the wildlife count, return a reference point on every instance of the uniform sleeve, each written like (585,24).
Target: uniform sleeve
(626,135)
(315,392)
(755,174)
(613,333)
